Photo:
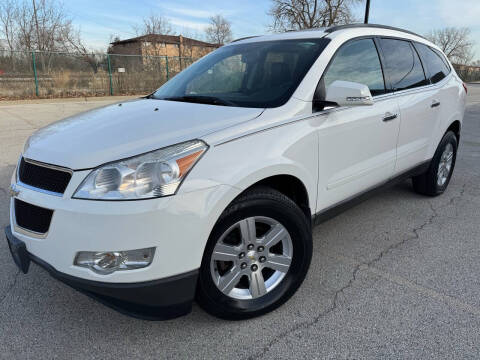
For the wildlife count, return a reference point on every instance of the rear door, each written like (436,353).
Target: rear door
(445,95)
(357,144)
(406,78)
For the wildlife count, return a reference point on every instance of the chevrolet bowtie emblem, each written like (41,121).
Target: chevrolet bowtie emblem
(14,191)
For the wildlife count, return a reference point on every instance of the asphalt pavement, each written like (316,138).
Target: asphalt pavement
(397,276)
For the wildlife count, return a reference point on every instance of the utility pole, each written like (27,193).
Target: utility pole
(38,48)
(367,11)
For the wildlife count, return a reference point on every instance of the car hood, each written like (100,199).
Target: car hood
(126,129)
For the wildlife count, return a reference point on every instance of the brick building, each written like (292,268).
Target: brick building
(162,45)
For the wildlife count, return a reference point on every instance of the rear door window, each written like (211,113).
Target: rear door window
(435,63)
(403,67)
(357,61)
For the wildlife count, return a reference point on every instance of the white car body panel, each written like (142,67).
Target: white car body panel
(369,158)
(418,123)
(336,154)
(452,98)
(83,225)
(127,129)
(296,155)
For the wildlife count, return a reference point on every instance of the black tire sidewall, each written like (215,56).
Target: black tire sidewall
(214,301)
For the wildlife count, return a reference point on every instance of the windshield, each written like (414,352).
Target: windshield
(259,74)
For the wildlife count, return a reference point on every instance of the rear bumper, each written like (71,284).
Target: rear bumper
(161,299)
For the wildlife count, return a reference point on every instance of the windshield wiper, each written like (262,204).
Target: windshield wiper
(200,99)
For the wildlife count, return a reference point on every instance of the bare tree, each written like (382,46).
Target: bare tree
(41,25)
(308,14)
(192,33)
(154,24)
(219,31)
(454,42)
(114,38)
(7,23)
(25,38)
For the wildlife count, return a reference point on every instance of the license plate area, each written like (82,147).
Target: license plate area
(18,250)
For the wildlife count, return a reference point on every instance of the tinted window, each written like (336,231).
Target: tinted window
(445,61)
(437,67)
(224,76)
(403,68)
(357,61)
(259,74)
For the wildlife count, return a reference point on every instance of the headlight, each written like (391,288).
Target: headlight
(154,174)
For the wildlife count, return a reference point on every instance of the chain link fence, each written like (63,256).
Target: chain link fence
(49,75)
(468,73)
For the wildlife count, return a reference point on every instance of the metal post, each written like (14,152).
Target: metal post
(367,11)
(110,74)
(160,68)
(166,67)
(34,63)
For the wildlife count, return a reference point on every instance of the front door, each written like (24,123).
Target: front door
(357,145)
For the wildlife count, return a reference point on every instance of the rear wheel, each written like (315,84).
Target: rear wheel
(257,256)
(435,180)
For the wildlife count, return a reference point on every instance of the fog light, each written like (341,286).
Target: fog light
(111,261)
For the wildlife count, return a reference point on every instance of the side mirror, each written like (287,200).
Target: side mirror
(346,93)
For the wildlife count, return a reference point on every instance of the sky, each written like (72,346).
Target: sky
(99,19)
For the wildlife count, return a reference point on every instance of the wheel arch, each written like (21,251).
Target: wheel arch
(290,186)
(456,127)
(286,182)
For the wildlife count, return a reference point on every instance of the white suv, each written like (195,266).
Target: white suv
(208,187)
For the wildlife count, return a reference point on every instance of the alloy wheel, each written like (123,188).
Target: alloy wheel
(251,258)
(445,165)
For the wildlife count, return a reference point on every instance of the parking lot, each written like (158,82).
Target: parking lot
(397,276)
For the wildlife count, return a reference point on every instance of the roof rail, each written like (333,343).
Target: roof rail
(378,26)
(245,38)
(309,29)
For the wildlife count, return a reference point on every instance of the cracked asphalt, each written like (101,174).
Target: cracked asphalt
(397,276)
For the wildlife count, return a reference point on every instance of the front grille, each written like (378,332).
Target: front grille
(31,217)
(43,177)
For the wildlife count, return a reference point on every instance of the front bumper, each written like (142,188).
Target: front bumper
(177,226)
(152,300)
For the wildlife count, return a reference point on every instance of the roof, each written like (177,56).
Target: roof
(310,33)
(341,31)
(168,39)
(376,26)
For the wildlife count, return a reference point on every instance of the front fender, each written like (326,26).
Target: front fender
(286,150)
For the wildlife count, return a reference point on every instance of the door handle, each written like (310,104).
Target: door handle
(435,103)
(389,116)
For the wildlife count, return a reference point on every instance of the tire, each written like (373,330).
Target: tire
(272,213)
(434,181)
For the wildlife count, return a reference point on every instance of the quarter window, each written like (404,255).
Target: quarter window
(357,61)
(435,63)
(403,68)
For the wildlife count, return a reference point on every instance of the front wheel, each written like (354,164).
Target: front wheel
(256,257)
(435,180)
